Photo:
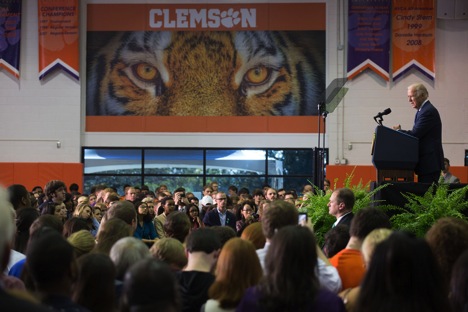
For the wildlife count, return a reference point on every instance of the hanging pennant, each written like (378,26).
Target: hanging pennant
(58,37)
(413,41)
(10,35)
(369,37)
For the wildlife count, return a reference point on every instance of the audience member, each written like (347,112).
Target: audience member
(73,225)
(245,216)
(341,206)
(126,252)
(150,285)
(447,175)
(224,233)
(177,225)
(145,230)
(94,288)
(171,251)
(348,261)
(403,276)
(193,212)
(202,248)
(169,207)
(254,234)
(82,241)
(291,283)
(237,269)
(19,196)
(220,215)
(459,284)
(109,233)
(280,214)
(448,238)
(335,240)
(24,218)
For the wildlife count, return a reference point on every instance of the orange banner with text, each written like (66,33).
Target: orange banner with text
(58,37)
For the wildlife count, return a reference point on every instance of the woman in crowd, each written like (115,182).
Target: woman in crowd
(237,269)
(94,288)
(245,216)
(194,215)
(56,209)
(145,229)
(171,251)
(85,212)
(403,276)
(110,232)
(82,241)
(254,234)
(291,283)
(459,284)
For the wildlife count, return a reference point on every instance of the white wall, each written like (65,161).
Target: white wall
(35,115)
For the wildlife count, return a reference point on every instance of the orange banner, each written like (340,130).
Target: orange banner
(58,37)
(413,37)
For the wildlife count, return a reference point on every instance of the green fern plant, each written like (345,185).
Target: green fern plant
(317,209)
(423,211)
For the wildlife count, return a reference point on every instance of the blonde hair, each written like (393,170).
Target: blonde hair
(371,241)
(82,241)
(171,251)
(79,209)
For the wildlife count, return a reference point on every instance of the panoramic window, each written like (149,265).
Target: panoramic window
(193,168)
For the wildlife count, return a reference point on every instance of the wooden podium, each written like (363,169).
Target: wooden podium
(394,155)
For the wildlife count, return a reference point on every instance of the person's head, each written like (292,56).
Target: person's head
(94,288)
(125,252)
(221,201)
(271,194)
(123,210)
(130,194)
(326,185)
(56,209)
(192,211)
(83,211)
(307,188)
(150,285)
(279,214)
(82,241)
(73,225)
(55,191)
(254,234)
(290,279)
(149,201)
(448,238)
(48,221)
(171,251)
(224,233)
(203,240)
(371,241)
(19,196)
(402,276)
(177,225)
(232,189)
(281,192)
(341,202)
(366,220)
(206,202)
(417,94)
(7,228)
(142,210)
(98,210)
(459,283)
(50,261)
(446,167)
(207,190)
(214,186)
(335,240)
(110,232)
(168,204)
(246,209)
(237,269)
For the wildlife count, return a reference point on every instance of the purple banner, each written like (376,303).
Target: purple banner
(369,37)
(10,34)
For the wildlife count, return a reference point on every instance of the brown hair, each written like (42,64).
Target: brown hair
(254,234)
(237,269)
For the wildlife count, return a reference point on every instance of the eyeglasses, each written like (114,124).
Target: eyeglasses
(247,210)
(143,207)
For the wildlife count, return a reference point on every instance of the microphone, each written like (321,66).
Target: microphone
(385,112)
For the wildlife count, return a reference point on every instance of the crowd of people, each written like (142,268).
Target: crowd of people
(240,250)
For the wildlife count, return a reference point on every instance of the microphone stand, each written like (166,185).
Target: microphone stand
(319,164)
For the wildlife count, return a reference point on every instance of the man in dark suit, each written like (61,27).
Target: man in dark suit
(428,129)
(341,206)
(220,215)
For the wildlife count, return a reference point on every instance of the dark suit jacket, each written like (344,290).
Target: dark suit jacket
(346,220)
(212,218)
(428,129)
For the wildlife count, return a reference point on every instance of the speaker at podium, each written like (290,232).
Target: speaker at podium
(394,155)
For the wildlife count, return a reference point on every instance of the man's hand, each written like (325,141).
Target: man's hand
(397,127)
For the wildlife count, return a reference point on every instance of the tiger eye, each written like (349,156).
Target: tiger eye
(257,75)
(146,71)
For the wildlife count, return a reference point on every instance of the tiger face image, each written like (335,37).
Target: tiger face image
(243,73)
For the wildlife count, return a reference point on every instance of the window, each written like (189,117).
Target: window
(193,168)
